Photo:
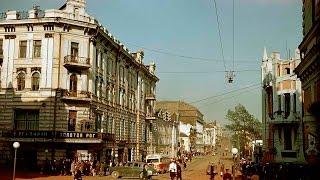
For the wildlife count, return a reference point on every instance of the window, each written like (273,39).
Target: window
(37,48)
(97,59)
(294,102)
(287,138)
(21,81)
(287,104)
(287,70)
(279,103)
(96,86)
(73,85)
(86,126)
(23,49)
(72,120)
(35,81)
(74,51)
(98,122)
(26,119)
(317,91)
(1,48)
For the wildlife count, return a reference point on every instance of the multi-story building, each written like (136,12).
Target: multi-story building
(188,114)
(184,139)
(309,73)
(69,89)
(281,109)
(167,133)
(209,136)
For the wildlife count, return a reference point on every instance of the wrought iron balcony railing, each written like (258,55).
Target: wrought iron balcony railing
(76,95)
(76,62)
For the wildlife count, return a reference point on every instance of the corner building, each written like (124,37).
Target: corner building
(69,89)
(281,109)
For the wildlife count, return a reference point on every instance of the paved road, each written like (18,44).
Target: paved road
(196,170)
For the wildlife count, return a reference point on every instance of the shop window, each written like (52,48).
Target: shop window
(37,48)
(35,81)
(23,49)
(26,119)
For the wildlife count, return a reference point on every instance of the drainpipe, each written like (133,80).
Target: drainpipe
(55,102)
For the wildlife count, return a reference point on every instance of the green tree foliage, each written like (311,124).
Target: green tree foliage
(245,126)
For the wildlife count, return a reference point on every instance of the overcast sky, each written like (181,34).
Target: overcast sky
(189,28)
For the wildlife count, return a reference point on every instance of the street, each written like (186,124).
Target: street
(196,169)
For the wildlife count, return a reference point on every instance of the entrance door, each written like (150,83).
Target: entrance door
(120,155)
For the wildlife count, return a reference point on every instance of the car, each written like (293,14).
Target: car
(132,170)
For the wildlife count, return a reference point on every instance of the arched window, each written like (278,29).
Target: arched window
(35,81)
(21,81)
(73,84)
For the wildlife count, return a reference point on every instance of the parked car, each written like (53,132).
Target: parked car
(132,170)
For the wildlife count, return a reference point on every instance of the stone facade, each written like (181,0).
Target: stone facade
(209,136)
(309,73)
(167,133)
(281,109)
(188,114)
(67,85)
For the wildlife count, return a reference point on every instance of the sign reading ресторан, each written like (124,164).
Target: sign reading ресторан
(48,134)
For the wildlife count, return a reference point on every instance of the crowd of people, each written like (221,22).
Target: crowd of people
(276,171)
(66,167)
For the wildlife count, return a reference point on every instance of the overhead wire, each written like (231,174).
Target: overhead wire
(165,52)
(203,72)
(219,33)
(225,93)
(226,98)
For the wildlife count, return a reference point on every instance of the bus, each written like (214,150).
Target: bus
(159,162)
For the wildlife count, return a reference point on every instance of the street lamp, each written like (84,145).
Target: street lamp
(16,145)
(234,152)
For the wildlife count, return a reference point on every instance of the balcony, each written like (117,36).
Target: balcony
(150,117)
(279,119)
(76,63)
(76,95)
(150,97)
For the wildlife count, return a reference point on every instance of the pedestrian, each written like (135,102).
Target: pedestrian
(173,169)
(78,175)
(227,175)
(179,171)
(72,168)
(145,172)
(212,172)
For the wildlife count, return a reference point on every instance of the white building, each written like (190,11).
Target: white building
(209,136)
(281,109)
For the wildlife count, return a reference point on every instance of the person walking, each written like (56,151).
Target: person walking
(179,171)
(227,175)
(145,172)
(173,169)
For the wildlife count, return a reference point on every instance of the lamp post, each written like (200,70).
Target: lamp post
(16,145)
(234,154)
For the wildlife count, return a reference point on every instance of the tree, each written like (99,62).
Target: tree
(245,127)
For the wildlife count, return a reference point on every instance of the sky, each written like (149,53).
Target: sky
(188,28)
